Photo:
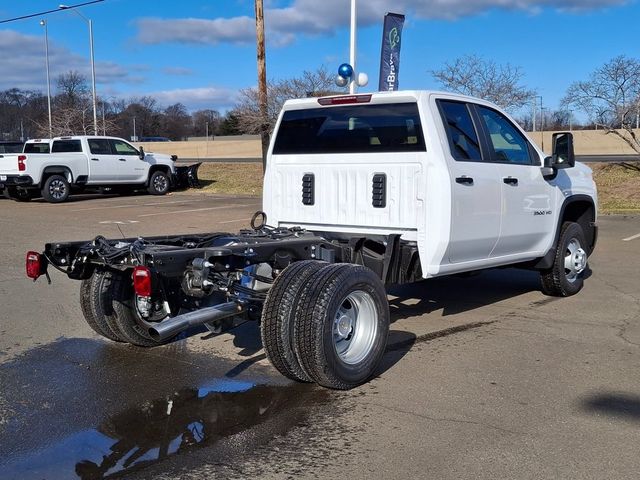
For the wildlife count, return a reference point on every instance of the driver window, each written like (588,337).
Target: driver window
(123,148)
(507,143)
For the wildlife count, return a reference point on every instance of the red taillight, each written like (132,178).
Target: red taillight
(34,265)
(142,281)
(344,100)
(21,166)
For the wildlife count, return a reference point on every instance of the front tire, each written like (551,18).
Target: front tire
(566,276)
(159,183)
(55,189)
(341,327)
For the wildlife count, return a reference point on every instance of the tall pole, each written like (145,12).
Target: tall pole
(93,66)
(352,49)
(135,138)
(93,79)
(262,81)
(46,54)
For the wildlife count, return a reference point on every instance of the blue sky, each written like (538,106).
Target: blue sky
(201,52)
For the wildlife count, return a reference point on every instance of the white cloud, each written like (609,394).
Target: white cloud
(196,98)
(315,17)
(23,63)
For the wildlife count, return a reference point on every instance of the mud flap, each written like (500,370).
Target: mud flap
(187,177)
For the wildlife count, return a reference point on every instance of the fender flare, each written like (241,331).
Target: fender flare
(547,261)
(56,169)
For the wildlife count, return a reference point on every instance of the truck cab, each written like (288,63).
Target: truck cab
(453,174)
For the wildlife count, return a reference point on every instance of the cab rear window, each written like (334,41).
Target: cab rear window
(36,148)
(351,129)
(66,146)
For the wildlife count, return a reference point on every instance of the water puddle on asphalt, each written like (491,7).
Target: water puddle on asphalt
(90,410)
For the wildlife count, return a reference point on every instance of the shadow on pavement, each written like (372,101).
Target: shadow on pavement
(457,294)
(623,406)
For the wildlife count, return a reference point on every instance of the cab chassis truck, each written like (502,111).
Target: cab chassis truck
(362,191)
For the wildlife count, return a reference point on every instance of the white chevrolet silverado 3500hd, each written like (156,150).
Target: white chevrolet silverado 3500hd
(82,162)
(360,192)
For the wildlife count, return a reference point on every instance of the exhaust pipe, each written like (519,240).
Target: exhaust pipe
(171,327)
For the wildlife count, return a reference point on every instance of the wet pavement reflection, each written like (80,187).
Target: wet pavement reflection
(88,409)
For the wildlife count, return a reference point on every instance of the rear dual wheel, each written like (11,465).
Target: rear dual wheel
(334,330)
(108,305)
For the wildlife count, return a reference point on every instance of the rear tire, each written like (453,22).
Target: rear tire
(159,183)
(55,189)
(566,276)
(94,308)
(341,326)
(126,320)
(278,313)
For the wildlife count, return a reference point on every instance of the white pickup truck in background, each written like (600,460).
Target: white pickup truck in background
(78,162)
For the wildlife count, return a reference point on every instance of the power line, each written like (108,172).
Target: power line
(50,11)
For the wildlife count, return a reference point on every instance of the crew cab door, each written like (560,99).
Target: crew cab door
(103,164)
(528,210)
(132,169)
(475,187)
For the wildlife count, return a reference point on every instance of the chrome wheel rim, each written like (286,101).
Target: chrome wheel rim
(575,260)
(57,189)
(355,327)
(160,183)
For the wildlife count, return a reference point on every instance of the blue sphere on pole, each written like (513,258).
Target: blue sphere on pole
(345,70)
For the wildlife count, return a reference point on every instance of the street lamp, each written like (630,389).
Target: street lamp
(46,54)
(93,67)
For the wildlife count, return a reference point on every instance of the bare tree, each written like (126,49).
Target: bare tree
(475,76)
(611,98)
(202,118)
(247,111)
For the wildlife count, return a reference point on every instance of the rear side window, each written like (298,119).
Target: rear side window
(36,148)
(462,135)
(123,148)
(66,146)
(351,129)
(99,146)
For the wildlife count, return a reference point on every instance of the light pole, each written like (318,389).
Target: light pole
(535,108)
(352,47)
(93,66)
(46,54)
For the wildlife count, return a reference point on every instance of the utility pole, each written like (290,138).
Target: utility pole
(262,81)
(352,47)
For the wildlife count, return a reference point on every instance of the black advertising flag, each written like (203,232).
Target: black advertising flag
(390,56)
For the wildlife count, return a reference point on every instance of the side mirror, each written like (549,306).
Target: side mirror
(563,155)
(141,154)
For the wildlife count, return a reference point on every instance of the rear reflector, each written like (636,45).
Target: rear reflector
(344,100)
(142,281)
(34,265)
(21,166)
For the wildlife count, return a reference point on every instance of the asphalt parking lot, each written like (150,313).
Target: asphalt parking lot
(484,378)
